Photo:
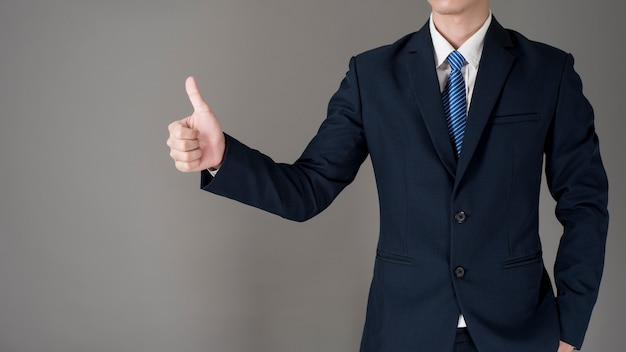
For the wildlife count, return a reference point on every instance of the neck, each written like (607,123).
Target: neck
(457,28)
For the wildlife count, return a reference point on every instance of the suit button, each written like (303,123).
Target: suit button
(460,217)
(459,272)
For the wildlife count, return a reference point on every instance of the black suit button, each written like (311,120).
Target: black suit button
(460,217)
(459,272)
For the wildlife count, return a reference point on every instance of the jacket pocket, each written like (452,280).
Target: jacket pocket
(393,258)
(515,118)
(525,260)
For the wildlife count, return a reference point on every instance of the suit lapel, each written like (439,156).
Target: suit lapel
(496,62)
(420,64)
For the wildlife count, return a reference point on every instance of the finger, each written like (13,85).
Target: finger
(188,166)
(183,145)
(176,124)
(180,130)
(189,156)
(194,95)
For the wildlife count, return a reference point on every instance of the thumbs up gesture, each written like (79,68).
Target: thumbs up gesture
(196,142)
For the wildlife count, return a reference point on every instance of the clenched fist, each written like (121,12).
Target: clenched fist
(196,142)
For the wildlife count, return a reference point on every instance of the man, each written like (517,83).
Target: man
(457,118)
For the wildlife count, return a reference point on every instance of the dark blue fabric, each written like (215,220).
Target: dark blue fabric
(463,342)
(527,105)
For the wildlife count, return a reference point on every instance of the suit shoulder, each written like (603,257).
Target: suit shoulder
(536,50)
(385,51)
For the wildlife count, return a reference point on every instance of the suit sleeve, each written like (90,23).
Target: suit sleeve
(303,189)
(578,182)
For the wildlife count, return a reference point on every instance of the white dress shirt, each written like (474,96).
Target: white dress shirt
(472,51)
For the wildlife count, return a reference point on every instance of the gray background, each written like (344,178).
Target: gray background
(104,246)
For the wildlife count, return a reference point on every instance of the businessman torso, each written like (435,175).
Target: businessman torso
(456,235)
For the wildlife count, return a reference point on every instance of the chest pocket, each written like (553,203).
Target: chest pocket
(515,118)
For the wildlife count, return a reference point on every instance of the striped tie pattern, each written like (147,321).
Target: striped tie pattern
(455,101)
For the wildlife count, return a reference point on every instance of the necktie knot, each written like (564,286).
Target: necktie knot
(456,60)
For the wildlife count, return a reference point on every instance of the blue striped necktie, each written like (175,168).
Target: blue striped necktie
(455,101)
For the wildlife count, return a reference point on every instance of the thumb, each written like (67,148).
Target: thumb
(194,95)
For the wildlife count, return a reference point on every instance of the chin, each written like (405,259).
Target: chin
(453,7)
(448,11)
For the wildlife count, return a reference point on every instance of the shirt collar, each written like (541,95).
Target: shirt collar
(471,50)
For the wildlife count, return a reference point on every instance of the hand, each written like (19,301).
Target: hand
(565,347)
(196,142)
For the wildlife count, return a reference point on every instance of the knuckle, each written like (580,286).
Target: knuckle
(185,166)
(191,133)
(174,126)
(190,144)
(181,166)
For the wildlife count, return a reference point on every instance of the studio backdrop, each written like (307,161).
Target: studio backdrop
(105,247)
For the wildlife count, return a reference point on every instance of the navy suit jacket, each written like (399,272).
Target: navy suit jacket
(456,236)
